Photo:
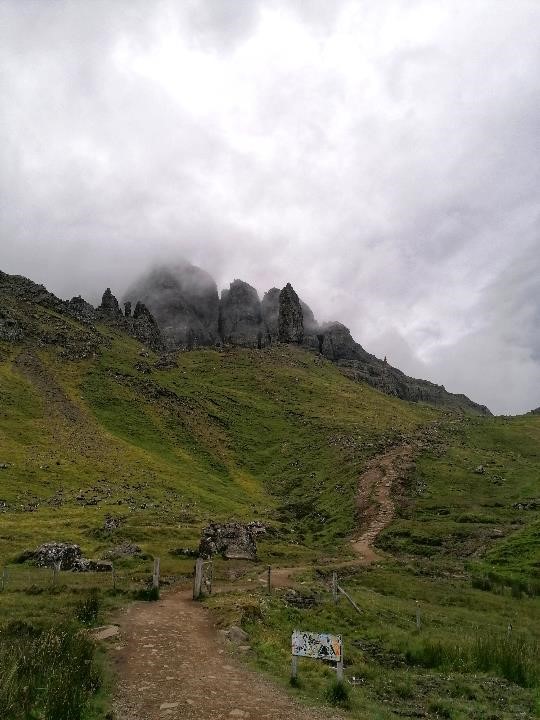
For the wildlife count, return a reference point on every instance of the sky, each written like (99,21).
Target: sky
(383,157)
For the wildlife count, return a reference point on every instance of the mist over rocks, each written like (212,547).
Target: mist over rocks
(270,314)
(193,315)
(240,316)
(184,301)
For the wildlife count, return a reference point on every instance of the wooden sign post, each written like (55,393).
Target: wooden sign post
(319,646)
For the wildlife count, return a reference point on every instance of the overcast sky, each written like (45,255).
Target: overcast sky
(384,157)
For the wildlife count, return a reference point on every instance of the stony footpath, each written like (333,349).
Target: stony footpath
(172,663)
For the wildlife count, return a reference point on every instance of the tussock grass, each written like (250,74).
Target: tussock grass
(46,673)
(510,656)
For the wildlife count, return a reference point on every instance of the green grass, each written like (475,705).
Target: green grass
(278,436)
(46,672)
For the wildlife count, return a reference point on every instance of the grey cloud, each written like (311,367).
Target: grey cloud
(382,157)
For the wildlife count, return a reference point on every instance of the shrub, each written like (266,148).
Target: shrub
(47,673)
(512,657)
(148,594)
(87,610)
(337,693)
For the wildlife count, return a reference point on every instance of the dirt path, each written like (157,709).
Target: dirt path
(375,502)
(172,663)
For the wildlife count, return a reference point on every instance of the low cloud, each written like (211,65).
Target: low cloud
(384,158)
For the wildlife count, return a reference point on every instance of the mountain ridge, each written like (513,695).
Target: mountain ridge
(188,313)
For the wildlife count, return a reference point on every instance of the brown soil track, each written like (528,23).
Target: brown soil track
(172,663)
(377,488)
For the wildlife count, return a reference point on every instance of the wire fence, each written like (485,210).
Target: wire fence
(32,580)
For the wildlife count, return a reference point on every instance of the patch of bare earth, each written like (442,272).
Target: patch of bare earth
(171,663)
(377,487)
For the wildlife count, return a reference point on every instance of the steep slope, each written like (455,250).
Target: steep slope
(94,424)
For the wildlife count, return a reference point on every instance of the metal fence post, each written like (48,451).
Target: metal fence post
(269,580)
(334,587)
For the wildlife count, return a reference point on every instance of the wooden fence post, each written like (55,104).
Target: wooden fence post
(198,579)
(155,576)
(334,587)
(113,576)
(294,667)
(339,666)
(418,616)
(349,598)
(269,580)
(4,579)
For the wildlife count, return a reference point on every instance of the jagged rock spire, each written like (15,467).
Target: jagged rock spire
(291,318)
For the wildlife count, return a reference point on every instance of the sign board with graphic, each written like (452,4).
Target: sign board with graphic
(319,646)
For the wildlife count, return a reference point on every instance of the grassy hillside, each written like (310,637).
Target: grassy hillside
(280,435)
(465,553)
(276,435)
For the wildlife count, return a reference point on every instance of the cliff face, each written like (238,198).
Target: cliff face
(184,301)
(290,317)
(240,316)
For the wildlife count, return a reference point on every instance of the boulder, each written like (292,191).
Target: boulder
(290,319)
(237,635)
(48,554)
(86,565)
(233,541)
(240,319)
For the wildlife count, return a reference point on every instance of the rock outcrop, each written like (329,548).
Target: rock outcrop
(140,325)
(10,329)
(240,317)
(49,554)
(178,308)
(270,315)
(291,317)
(109,307)
(232,541)
(338,344)
(81,310)
(184,301)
